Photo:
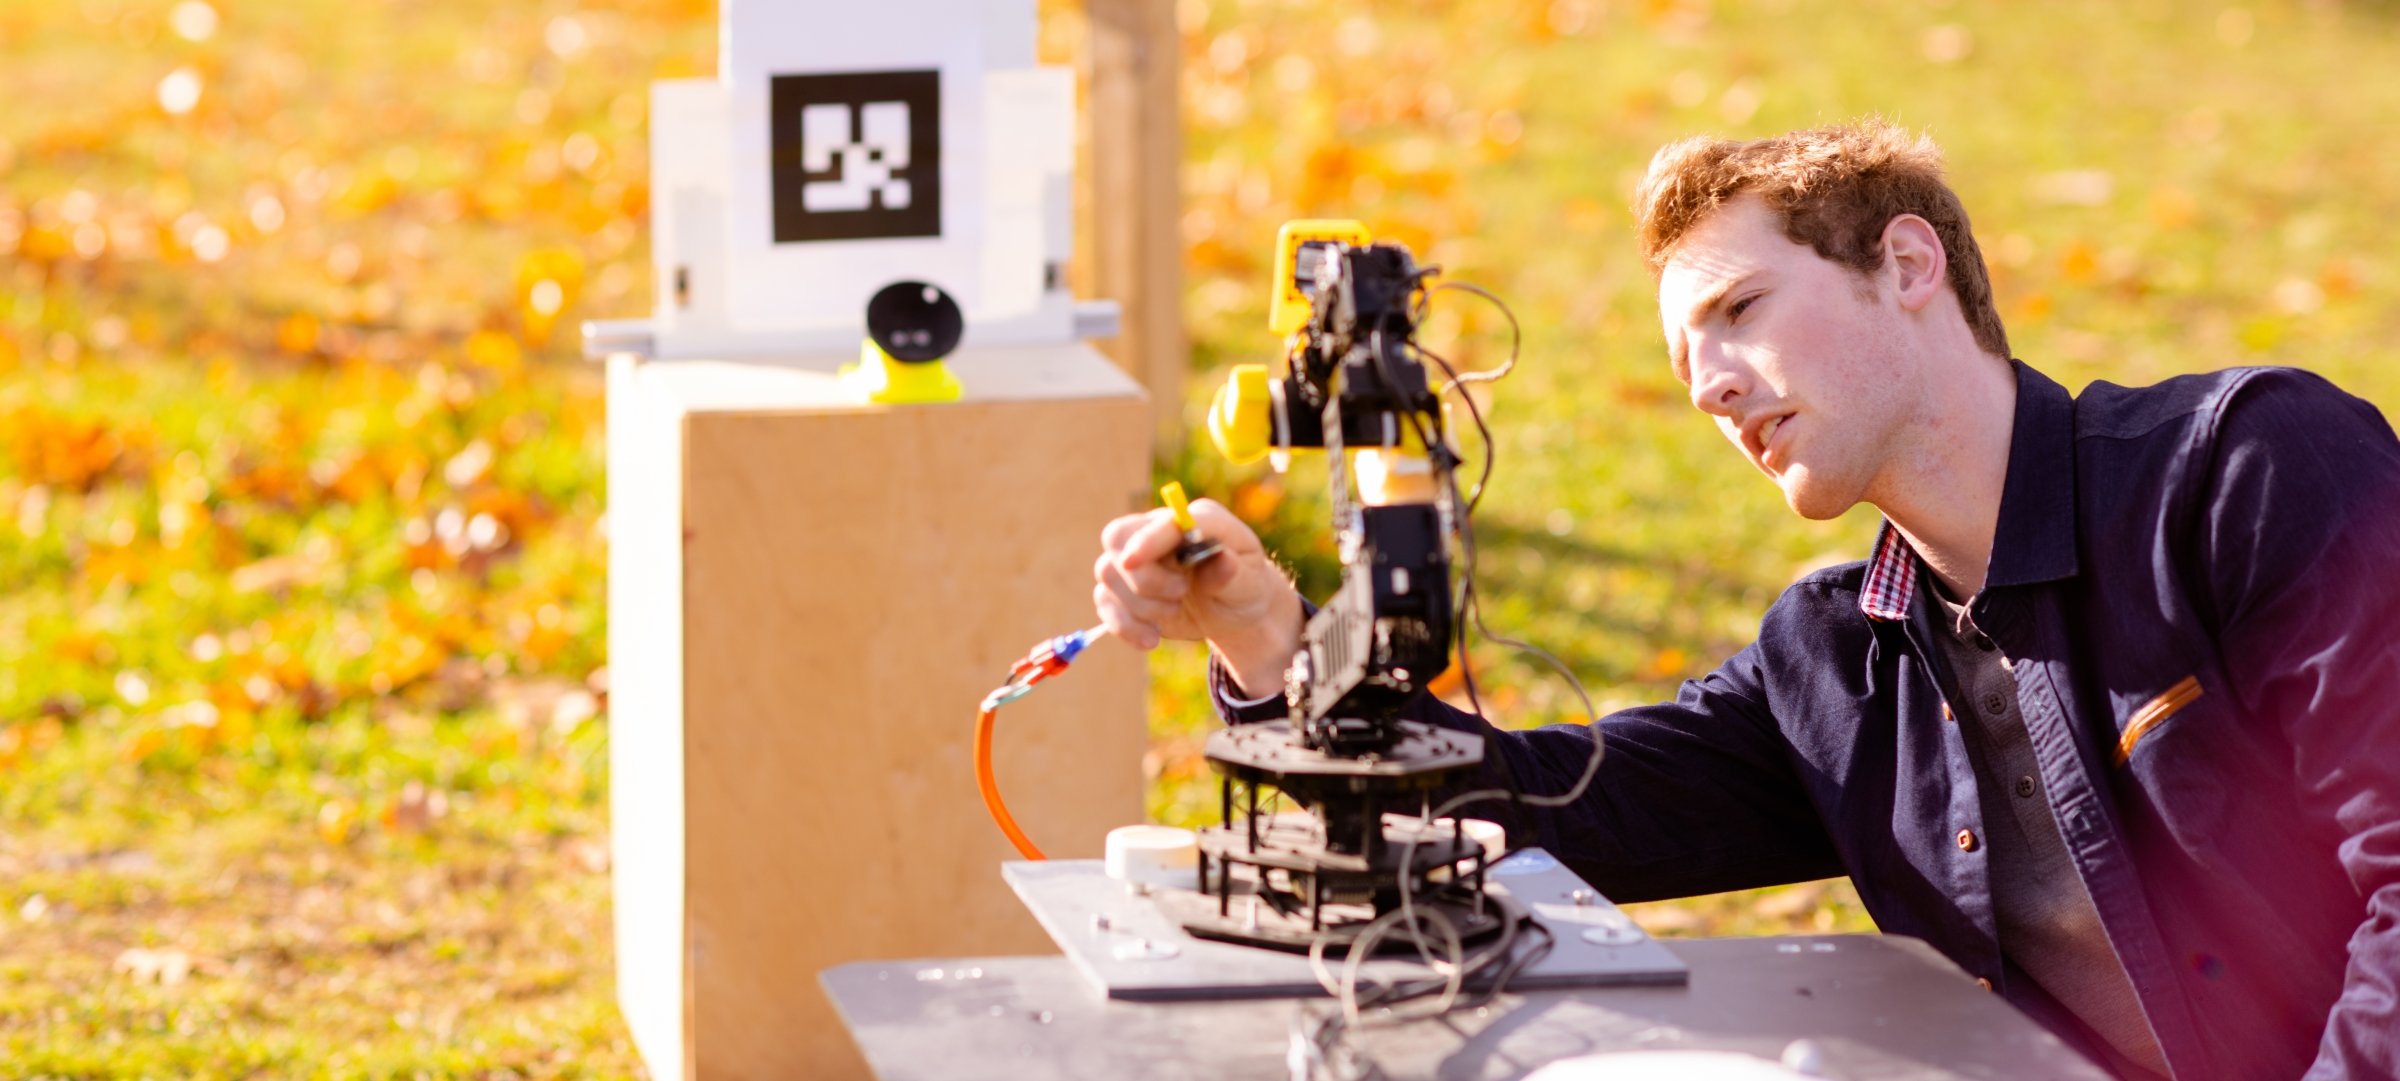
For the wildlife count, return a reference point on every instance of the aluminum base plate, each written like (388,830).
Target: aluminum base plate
(1129,949)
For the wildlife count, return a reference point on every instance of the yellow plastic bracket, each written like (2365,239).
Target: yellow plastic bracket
(1239,420)
(893,382)
(1289,311)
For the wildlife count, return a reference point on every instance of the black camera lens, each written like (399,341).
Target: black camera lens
(915,321)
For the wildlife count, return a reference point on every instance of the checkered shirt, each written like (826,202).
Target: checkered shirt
(1891,577)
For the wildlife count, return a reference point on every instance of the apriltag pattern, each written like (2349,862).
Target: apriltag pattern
(857,156)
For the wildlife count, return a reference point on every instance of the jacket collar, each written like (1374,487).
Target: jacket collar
(2034,540)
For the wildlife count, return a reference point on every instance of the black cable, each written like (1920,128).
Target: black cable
(1517,963)
(1475,413)
(1466,601)
(1472,607)
(1516,334)
(1324,1042)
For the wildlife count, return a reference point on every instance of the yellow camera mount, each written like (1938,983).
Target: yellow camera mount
(888,381)
(911,326)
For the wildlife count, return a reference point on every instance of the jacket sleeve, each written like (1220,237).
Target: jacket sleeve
(2300,549)
(1693,796)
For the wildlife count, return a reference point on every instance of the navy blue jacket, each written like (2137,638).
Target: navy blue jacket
(2198,586)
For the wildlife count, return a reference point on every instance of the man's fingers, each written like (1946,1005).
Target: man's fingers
(1152,581)
(1134,632)
(1144,539)
(1154,540)
(1141,590)
(1146,607)
(1164,580)
(1223,526)
(1112,535)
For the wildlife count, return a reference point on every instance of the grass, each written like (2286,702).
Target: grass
(302,692)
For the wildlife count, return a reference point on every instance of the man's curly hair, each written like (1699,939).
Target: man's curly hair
(1835,188)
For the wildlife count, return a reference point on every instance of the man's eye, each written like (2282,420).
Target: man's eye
(1734,313)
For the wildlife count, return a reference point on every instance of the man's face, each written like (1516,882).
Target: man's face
(1803,363)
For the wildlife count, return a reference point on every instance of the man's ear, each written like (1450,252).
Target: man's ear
(1913,256)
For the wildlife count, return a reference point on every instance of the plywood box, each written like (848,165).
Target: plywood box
(807,598)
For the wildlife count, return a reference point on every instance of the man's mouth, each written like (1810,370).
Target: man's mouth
(1766,434)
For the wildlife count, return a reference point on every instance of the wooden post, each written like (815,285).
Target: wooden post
(1130,240)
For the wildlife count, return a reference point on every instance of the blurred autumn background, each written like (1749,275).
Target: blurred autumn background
(303,697)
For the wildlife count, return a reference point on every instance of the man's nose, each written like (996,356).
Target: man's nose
(1716,385)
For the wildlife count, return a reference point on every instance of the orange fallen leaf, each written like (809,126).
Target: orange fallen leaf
(494,350)
(1667,663)
(337,821)
(297,334)
(2080,263)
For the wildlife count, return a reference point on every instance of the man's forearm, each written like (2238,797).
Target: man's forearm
(1257,657)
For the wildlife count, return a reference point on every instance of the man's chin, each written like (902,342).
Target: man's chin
(1816,502)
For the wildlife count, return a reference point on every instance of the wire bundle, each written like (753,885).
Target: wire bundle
(1321,1047)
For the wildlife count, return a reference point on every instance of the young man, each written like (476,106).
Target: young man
(2111,716)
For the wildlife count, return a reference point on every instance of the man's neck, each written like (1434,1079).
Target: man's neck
(1945,494)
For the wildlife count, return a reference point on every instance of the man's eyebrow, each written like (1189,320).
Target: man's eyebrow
(1700,313)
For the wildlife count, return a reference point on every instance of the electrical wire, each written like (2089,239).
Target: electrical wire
(1322,1043)
(1046,660)
(1516,336)
(990,787)
(1475,413)
(1470,605)
(1445,463)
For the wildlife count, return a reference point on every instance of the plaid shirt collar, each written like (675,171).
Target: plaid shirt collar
(1891,577)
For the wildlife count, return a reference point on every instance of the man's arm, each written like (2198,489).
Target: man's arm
(1693,796)
(2300,550)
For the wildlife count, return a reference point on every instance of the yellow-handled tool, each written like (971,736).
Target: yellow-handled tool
(1195,547)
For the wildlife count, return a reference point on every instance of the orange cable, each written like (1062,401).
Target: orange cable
(990,787)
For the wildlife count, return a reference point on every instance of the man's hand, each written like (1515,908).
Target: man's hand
(1238,601)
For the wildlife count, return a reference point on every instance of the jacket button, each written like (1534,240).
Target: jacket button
(2025,786)
(1983,983)
(1966,840)
(1995,703)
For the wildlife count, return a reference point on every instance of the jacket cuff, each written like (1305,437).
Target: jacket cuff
(1235,703)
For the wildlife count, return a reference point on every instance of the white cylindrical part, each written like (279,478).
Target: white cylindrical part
(1154,856)
(1491,835)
